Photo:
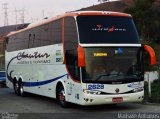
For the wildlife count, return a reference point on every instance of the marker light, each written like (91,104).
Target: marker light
(138,89)
(93,92)
(81,57)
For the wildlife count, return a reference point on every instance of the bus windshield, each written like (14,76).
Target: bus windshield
(107,29)
(112,65)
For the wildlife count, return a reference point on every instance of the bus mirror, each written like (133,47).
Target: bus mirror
(81,57)
(151,54)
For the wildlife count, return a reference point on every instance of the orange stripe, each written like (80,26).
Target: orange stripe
(106,14)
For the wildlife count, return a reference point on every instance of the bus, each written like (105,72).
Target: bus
(83,57)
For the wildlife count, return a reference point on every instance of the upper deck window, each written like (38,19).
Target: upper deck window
(107,29)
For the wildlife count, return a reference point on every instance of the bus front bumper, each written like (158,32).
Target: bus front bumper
(90,99)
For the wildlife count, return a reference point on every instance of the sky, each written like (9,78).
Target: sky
(35,10)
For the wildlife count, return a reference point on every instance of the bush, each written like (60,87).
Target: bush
(155,92)
(146,96)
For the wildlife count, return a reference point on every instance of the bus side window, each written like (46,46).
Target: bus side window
(8,44)
(20,42)
(45,35)
(70,47)
(72,64)
(11,43)
(56,32)
(29,41)
(37,37)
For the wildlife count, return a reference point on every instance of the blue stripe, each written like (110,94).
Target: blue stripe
(2,78)
(32,84)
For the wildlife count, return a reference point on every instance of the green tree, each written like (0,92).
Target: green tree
(147,18)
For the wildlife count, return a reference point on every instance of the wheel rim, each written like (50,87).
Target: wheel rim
(62,97)
(21,90)
(16,87)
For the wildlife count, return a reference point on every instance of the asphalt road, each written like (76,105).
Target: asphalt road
(37,107)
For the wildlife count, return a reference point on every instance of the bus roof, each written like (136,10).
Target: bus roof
(76,13)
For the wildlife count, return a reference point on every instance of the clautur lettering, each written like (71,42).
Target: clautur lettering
(35,55)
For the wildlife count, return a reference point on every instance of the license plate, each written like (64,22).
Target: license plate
(117,99)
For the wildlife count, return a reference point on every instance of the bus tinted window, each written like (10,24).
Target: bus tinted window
(43,35)
(8,44)
(35,37)
(107,29)
(56,34)
(16,42)
(70,46)
(116,64)
(46,35)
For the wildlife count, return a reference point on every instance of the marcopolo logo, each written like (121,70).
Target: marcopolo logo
(100,27)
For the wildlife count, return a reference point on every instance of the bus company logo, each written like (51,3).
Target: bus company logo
(100,27)
(117,90)
(58,52)
(119,51)
(35,55)
(111,29)
(59,59)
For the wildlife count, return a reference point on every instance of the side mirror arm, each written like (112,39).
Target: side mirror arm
(152,54)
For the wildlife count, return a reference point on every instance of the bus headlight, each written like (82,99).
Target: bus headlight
(93,92)
(138,89)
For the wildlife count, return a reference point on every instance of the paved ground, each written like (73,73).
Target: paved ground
(38,107)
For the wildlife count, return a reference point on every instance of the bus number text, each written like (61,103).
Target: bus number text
(95,86)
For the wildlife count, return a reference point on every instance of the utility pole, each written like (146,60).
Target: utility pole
(5,13)
(19,16)
(16,17)
(43,14)
(34,20)
(21,12)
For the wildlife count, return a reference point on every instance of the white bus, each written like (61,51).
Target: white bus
(86,58)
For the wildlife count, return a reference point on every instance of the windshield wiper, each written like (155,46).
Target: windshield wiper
(117,77)
(101,76)
(108,75)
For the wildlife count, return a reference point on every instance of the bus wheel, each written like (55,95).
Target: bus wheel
(16,87)
(61,97)
(20,89)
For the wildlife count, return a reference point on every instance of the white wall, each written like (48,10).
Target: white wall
(154,75)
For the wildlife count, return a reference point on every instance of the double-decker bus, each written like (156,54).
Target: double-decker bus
(86,58)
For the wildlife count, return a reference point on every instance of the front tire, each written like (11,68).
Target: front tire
(61,97)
